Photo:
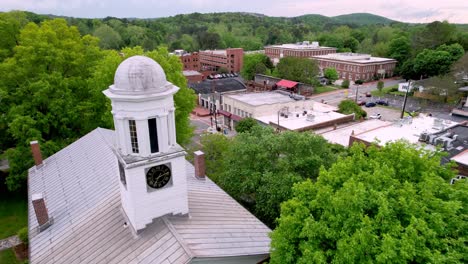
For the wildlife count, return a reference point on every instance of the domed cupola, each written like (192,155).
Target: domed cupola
(139,75)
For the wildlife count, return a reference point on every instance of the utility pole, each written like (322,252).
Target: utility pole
(213,91)
(406,97)
(357,91)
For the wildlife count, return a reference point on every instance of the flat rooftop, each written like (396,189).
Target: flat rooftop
(353,57)
(216,52)
(263,98)
(341,135)
(300,46)
(191,73)
(409,132)
(297,120)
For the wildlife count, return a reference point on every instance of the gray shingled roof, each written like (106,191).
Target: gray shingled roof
(80,185)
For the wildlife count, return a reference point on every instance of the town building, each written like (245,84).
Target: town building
(210,92)
(293,111)
(303,49)
(190,61)
(193,76)
(228,59)
(209,61)
(355,66)
(130,196)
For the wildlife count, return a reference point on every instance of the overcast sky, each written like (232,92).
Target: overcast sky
(422,11)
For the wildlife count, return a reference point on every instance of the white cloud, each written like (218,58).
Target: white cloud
(421,11)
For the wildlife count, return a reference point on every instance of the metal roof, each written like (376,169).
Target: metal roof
(80,185)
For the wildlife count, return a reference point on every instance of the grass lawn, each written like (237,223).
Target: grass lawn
(324,89)
(13,213)
(385,90)
(8,257)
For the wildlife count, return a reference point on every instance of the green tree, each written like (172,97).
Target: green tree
(432,62)
(10,26)
(380,85)
(400,49)
(245,125)
(215,147)
(379,205)
(109,38)
(298,69)
(280,161)
(44,91)
(253,64)
(331,74)
(350,107)
(345,83)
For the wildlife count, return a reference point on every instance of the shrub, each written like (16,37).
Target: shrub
(23,235)
(359,82)
(380,85)
(349,107)
(245,125)
(345,84)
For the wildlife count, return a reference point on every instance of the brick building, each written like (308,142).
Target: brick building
(302,49)
(229,59)
(354,66)
(208,61)
(190,61)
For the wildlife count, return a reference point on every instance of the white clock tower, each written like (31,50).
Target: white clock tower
(152,165)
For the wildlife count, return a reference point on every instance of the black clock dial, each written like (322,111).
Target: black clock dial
(158,176)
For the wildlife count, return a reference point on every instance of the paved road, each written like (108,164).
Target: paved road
(335,97)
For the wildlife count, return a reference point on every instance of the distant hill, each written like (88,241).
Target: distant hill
(363,19)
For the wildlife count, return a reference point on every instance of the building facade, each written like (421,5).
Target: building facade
(212,60)
(229,59)
(190,61)
(301,50)
(354,66)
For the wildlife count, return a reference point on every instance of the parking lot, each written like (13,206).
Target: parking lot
(388,114)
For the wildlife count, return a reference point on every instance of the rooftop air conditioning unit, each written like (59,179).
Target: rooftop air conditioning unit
(424,137)
(310,117)
(431,139)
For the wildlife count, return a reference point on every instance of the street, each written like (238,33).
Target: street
(335,97)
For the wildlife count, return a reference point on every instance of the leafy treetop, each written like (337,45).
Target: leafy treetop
(379,205)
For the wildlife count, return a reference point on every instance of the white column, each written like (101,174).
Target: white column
(143,137)
(162,133)
(120,134)
(171,127)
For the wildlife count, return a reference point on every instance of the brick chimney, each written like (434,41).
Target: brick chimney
(36,151)
(199,161)
(40,209)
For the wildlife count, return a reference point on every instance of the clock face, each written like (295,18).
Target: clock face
(158,176)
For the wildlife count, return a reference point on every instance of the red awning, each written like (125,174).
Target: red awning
(236,117)
(224,113)
(286,83)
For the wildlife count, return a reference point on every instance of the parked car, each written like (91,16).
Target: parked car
(376,116)
(370,104)
(210,77)
(235,74)
(368,94)
(361,102)
(381,102)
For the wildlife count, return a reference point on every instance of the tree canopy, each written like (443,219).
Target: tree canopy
(379,205)
(255,63)
(298,69)
(51,91)
(260,167)
(331,74)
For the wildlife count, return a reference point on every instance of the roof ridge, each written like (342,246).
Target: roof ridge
(178,238)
